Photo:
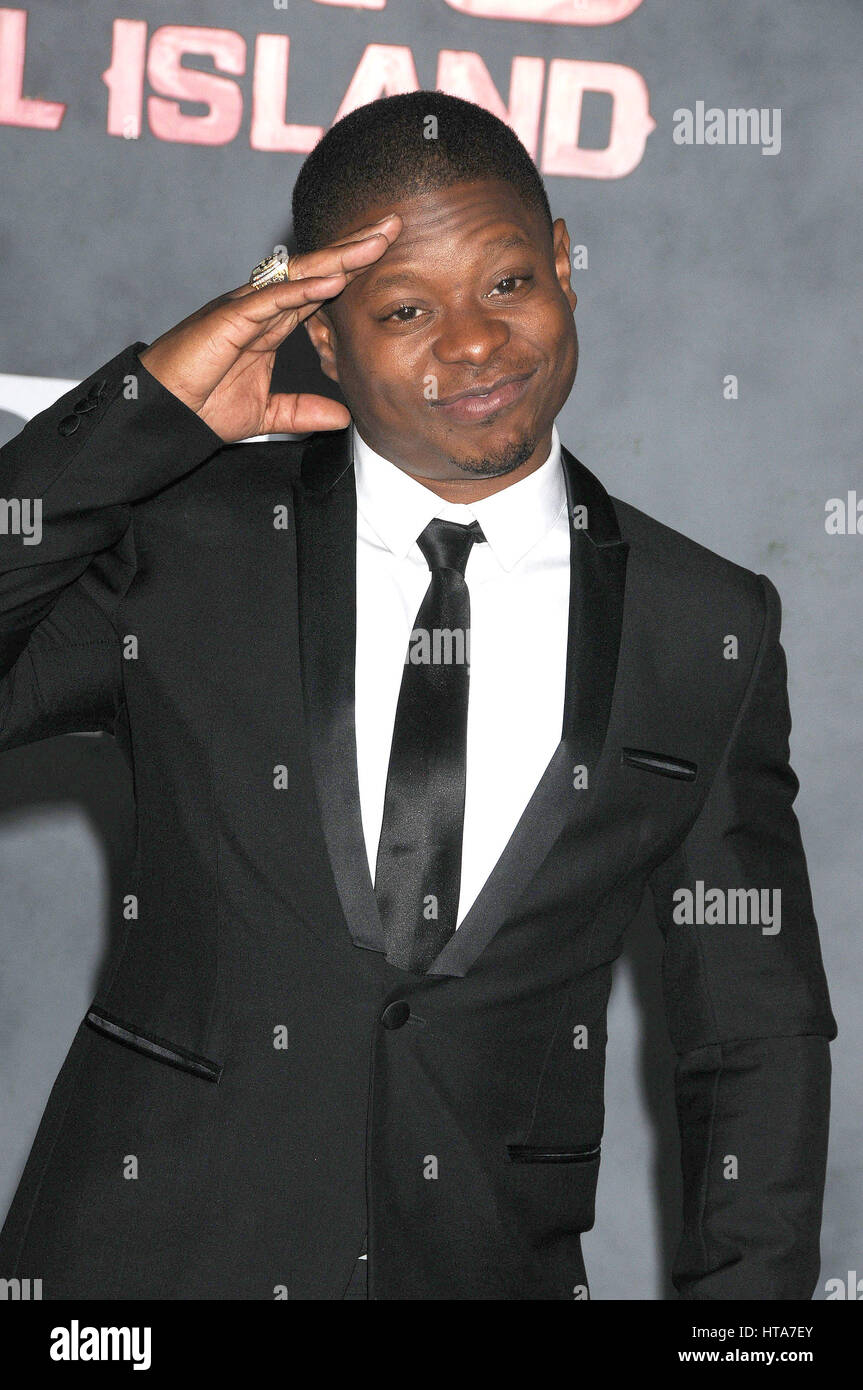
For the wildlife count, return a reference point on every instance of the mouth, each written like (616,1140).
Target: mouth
(481,402)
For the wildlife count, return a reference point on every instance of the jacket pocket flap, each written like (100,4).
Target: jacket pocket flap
(163,1051)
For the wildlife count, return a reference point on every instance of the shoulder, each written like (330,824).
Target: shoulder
(686,578)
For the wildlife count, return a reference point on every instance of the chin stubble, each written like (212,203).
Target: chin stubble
(497,465)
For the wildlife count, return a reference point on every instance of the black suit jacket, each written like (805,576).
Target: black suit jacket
(197,601)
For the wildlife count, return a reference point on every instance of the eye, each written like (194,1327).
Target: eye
(510,283)
(405,313)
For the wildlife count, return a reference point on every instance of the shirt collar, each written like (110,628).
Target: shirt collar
(513,521)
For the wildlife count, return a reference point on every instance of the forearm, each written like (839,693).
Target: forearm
(79,471)
(749,1013)
(753,1121)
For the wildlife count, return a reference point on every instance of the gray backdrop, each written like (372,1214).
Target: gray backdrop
(704,261)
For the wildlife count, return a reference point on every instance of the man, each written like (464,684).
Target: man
(415,712)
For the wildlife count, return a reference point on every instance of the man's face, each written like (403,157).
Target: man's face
(456,350)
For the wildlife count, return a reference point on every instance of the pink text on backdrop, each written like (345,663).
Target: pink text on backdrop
(532,11)
(140,61)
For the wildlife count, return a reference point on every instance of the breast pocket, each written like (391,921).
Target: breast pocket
(663,764)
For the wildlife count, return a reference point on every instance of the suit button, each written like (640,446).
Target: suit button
(69,424)
(396,1014)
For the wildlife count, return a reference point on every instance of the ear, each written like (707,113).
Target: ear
(563,262)
(321,330)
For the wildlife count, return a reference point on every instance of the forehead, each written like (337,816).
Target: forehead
(465,220)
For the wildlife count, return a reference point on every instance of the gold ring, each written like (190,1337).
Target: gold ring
(271,271)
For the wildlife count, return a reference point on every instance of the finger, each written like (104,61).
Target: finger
(278,309)
(323,263)
(302,413)
(354,253)
(371,229)
(257,297)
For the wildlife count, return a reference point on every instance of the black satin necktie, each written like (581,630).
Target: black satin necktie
(418,870)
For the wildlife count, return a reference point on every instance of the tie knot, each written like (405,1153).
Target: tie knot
(446,544)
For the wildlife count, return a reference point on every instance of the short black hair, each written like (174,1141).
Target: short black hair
(383,151)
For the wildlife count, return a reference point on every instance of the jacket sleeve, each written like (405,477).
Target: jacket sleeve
(68,485)
(749,1016)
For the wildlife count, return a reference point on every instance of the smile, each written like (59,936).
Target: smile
(480,403)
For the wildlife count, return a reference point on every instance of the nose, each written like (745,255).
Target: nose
(468,334)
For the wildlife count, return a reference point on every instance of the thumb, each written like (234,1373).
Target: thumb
(303,413)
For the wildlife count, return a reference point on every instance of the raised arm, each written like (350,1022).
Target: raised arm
(142,421)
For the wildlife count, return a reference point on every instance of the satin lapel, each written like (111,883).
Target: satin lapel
(597,583)
(326,572)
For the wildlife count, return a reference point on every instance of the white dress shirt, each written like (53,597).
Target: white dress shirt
(519,601)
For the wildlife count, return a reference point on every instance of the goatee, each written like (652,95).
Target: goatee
(505,460)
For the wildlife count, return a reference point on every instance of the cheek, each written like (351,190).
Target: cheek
(546,331)
(360,377)
(561,343)
(402,372)
(556,325)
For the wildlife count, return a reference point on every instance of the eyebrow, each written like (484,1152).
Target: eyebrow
(513,242)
